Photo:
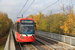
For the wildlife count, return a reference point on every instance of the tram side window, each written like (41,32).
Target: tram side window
(18,28)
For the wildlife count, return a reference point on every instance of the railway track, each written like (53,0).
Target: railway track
(29,47)
(53,44)
(37,45)
(26,46)
(41,43)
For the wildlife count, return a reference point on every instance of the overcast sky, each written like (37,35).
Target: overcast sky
(13,7)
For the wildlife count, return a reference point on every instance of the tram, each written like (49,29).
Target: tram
(25,30)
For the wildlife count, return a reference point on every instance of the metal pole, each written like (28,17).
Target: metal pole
(22,15)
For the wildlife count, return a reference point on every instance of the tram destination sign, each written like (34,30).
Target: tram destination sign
(26,21)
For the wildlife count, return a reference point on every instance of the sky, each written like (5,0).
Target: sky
(13,7)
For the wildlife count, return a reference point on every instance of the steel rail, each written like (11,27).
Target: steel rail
(20,46)
(46,43)
(50,41)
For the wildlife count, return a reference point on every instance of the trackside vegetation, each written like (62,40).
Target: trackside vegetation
(5,24)
(55,23)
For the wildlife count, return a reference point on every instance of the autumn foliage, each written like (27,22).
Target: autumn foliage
(55,23)
(5,24)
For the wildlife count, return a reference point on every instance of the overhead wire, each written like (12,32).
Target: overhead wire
(28,7)
(47,6)
(23,7)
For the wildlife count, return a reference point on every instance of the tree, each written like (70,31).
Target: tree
(5,24)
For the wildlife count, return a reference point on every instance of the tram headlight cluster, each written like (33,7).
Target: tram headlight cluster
(32,36)
(21,36)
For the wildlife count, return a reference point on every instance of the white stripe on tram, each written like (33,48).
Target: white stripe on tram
(27,34)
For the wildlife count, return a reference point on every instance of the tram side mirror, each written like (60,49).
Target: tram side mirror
(35,24)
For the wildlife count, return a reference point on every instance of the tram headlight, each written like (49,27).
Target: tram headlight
(32,36)
(21,36)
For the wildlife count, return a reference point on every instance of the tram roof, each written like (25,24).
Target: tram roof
(24,19)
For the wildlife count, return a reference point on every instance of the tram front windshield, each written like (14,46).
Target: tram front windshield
(27,29)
